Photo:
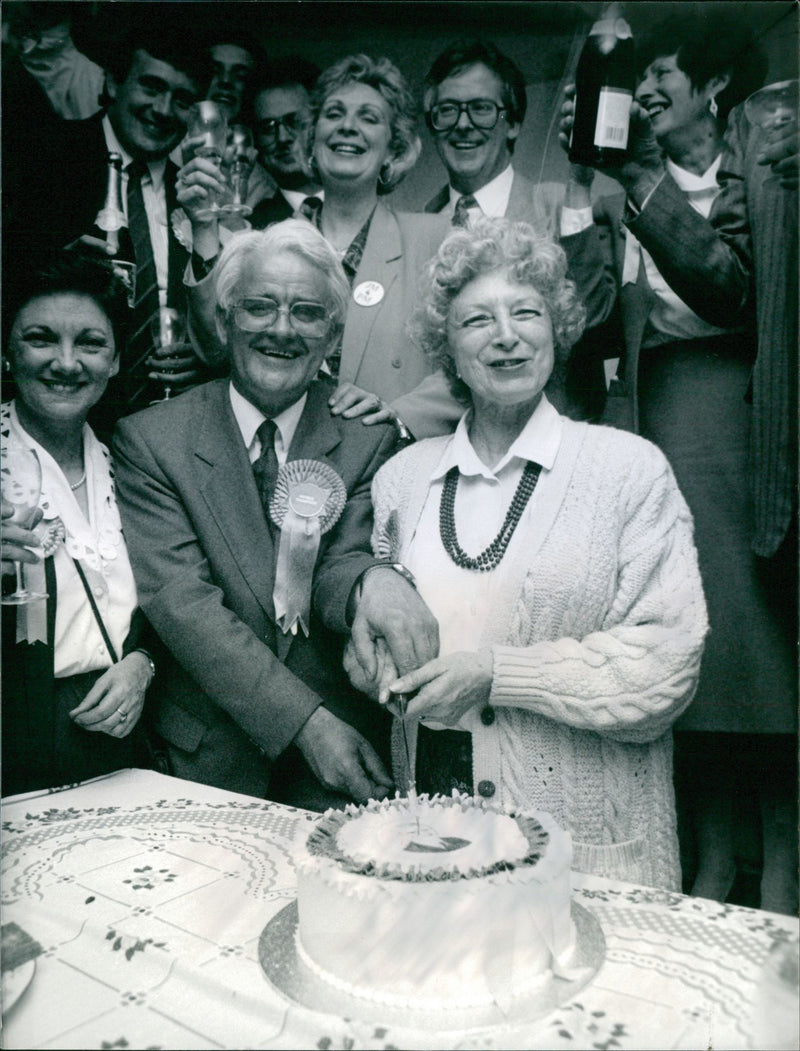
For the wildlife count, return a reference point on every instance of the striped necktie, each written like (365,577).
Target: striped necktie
(265,468)
(461,210)
(146,303)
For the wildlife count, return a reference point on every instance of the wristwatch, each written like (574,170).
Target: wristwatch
(398,567)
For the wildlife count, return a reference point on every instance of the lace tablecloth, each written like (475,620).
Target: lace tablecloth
(148,895)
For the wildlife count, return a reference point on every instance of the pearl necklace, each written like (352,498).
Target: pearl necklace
(490,558)
(79,482)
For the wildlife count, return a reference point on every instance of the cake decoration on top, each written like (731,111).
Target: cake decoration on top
(438,838)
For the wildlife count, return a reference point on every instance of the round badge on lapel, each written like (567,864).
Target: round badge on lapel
(368,293)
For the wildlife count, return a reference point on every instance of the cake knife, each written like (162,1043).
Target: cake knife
(401,700)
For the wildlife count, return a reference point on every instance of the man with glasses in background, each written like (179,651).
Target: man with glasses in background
(206,484)
(475,104)
(281,111)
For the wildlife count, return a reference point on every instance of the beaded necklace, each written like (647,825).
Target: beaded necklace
(490,558)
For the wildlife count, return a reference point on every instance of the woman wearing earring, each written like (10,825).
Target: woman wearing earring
(685,384)
(74,670)
(361,142)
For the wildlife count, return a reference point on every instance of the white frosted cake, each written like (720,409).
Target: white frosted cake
(446,903)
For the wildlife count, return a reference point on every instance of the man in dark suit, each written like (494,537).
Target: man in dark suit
(281,110)
(193,479)
(475,104)
(153,77)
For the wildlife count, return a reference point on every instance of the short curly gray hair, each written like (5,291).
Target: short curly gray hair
(385,78)
(486,245)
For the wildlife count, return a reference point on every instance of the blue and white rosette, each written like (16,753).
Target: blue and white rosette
(308,500)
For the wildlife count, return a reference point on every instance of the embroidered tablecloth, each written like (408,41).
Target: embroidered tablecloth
(148,896)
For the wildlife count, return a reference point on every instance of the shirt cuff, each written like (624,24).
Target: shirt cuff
(575,220)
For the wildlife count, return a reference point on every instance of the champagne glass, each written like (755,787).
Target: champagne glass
(22,486)
(238,165)
(773,109)
(169,337)
(208,125)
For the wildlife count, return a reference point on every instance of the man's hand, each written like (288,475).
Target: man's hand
(448,686)
(176,365)
(341,758)
(390,609)
(18,541)
(643,165)
(781,152)
(200,182)
(377,688)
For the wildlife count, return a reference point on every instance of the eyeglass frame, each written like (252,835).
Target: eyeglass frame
(463,107)
(280,308)
(294,128)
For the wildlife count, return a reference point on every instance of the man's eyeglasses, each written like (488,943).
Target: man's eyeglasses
(268,127)
(482,113)
(257,315)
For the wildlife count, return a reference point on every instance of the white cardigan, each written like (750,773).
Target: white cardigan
(596,641)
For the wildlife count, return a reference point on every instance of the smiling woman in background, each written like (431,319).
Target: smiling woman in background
(74,679)
(689,386)
(558,560)
(361,142)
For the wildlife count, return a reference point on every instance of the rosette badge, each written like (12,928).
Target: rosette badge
(308,500)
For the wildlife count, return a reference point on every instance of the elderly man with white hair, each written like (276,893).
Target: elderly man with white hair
(246,506)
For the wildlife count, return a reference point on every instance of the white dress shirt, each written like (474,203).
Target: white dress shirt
(492,198)
(294,198)
(249,419)
(458,597)
(155,204)
(99,546)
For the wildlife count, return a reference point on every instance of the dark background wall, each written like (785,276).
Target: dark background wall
(543,38)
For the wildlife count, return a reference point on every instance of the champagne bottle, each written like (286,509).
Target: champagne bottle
(111,217)
(605,81)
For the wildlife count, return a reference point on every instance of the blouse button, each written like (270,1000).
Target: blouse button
(487,715)
(486,789)
(396,363)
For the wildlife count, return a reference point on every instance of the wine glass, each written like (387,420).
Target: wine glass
(773,108)
(22,486)
(169,337)
(208,125)
(238,165)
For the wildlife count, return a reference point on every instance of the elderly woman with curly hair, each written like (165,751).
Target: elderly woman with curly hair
(558,559)
(361,141)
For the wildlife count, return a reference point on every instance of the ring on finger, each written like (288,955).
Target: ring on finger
(123,715)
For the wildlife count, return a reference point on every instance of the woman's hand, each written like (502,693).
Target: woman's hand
(376,687)
(352,402)
(115,702)
(643,165)
(448,686)
(18,541)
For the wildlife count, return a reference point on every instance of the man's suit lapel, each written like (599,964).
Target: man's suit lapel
(381,262)
(440,201)
(230,492)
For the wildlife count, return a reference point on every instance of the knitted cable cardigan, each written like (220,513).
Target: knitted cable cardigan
(596,642)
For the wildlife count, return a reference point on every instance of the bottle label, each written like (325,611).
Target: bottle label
(613,117)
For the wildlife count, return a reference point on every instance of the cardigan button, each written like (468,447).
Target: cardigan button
(397,363)
(486,789)
(487,715)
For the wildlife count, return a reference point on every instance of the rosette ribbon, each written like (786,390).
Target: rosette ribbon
(308,500)
(32,618)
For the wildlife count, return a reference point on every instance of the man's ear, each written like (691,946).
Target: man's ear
(112,87)
(513,131)
(219,321)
